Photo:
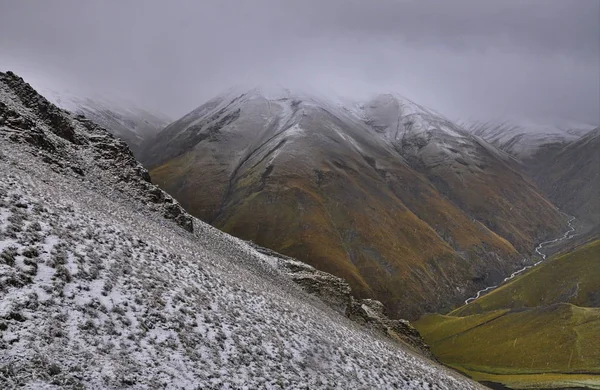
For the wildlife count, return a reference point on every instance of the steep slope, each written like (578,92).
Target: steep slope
(125,120)
(99,290)
(570,176)
(525,140)
(310,179)
(529,332)
(481,180)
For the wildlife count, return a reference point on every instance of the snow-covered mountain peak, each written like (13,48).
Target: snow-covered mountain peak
(404,105)
(73,100)
(273,91)
(523,138)
(270,91)
(397,117)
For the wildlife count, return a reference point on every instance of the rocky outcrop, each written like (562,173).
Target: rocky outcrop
(371,313)
(334,291)
(337,294)
(74,144)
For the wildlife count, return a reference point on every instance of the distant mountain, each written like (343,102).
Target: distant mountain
(540,330)
(524,140)
(399,201)
(106,282)
(569,173)
(468,171)
(123,119)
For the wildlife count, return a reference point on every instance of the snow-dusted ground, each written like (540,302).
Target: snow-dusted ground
(99,290)
(102,296)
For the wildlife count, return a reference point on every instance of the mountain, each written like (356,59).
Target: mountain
(106,282)
(468,171)
(125,120)
(395,199)
(540,330)
(524,140)
(570,176)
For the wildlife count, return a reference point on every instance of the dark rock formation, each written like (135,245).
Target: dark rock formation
(371,313)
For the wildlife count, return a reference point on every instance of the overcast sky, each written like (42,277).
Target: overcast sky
(537,59)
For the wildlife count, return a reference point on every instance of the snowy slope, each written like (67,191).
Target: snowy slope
(123,119)
(250,118)
(99,290)
(424,136)
(524,139)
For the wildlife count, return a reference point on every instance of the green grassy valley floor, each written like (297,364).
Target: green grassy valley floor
(541,330)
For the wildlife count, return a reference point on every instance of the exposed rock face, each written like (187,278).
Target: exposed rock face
(334,291)
(371,313)
(63,140)
(337,294)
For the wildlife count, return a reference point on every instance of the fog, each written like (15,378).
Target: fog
(535,60)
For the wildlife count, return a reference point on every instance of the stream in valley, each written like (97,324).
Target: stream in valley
(568,234)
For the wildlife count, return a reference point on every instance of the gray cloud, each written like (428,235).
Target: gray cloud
(536,59)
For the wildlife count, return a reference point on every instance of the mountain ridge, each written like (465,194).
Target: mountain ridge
(568,174)
(297,176)
(524,140)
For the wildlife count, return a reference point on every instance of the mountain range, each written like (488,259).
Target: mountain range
(350,216)
(407,206)
(525,140)
(107,282)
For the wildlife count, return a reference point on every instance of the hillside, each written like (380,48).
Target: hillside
(572,277)
(569,175)
(417,218)
(481,180)
(106,282)
(544,347)
(529,333)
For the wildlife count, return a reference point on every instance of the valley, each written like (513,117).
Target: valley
(538,330)
(386,199)
(300,195)
(538,249)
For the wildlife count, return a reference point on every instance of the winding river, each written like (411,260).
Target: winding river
(568,234)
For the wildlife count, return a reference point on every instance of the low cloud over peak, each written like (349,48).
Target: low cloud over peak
(534,59)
